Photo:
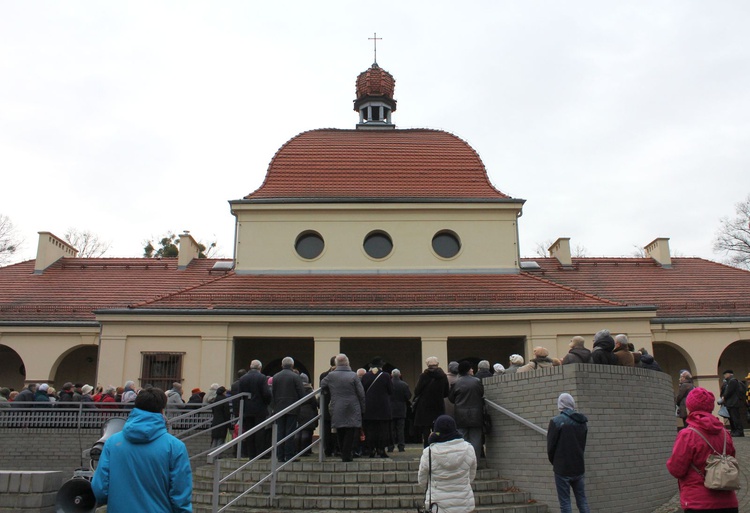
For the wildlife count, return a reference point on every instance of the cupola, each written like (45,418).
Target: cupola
(375,101)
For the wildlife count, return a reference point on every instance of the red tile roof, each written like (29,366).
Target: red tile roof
(692,288)
(382,292)
(356,165)
(72,288)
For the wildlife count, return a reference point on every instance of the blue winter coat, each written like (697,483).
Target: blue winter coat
(148,469)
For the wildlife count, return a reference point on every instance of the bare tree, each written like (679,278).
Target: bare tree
(732,239)
(88,244)
(9,239)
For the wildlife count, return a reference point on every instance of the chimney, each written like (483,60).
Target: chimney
(658,249)
(560,249)
(188,250)
(50,249)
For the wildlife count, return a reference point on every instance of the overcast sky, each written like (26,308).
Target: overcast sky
(618,122)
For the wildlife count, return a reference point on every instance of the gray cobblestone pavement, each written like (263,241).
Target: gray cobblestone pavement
(742,447)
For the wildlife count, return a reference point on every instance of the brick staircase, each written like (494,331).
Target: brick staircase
(374,485)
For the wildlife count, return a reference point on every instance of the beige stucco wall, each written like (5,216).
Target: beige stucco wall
(208,340)
(706,347)
(266,235)
(42,348)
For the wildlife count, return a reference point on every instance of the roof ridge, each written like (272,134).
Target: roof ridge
(574,290)
(181,291)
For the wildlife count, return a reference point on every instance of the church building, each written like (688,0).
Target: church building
(371,241)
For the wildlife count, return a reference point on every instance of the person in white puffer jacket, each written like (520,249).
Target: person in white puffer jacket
(454,466)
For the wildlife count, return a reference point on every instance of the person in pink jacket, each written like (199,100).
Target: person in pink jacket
(688,460)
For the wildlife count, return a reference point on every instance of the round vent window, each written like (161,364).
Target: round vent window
(309,245)
(446,244)
(378,244)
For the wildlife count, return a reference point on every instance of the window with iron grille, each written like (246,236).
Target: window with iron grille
(161,369)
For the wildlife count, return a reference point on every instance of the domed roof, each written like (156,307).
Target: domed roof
(362,165)
(375,81)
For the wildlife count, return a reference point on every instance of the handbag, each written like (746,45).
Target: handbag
(433,506)
(722,470)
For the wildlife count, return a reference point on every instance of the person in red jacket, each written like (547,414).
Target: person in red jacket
(688,460)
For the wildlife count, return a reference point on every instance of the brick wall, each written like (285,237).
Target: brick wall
(631,432)
(59,449)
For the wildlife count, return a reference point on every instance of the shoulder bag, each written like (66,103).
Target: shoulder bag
(722,470)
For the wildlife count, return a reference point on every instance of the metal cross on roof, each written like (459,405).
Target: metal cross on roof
(375,40)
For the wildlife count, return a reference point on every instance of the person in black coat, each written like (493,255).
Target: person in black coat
(566,445)
(255,407)
(731,397)
(287,389)
(604,345)
(399,404)
(377,417)
(305,414)
(467,394)
(429,395)
(221,416)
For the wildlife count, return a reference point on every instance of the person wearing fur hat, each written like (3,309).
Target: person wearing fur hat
(541,360)
(577,353)
(566,444)
(447,468)
(516,361)
(690,451)
(430,396)
(196,398)
(604,345)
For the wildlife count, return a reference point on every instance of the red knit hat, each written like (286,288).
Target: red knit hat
(700,399)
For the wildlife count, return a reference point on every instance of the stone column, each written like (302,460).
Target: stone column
(324,348)
(438,347)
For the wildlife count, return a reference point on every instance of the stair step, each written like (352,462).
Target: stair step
(516,508)
(353,503)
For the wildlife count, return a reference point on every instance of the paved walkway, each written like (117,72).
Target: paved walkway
(742,447)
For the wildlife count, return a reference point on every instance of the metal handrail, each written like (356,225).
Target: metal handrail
(515,417)
(276,467)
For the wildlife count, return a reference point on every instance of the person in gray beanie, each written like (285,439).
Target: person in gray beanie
(604,345)
(566,444)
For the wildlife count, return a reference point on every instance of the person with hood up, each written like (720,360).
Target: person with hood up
(447,468)
(430,396)
(688,460)
(577,353)
(174,396)
(604,345)
(647,361)
(541,360)
(144,468)
(41,398)
(566,444)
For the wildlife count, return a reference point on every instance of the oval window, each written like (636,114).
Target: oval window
(309,245)
(378,244)
(446,244)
